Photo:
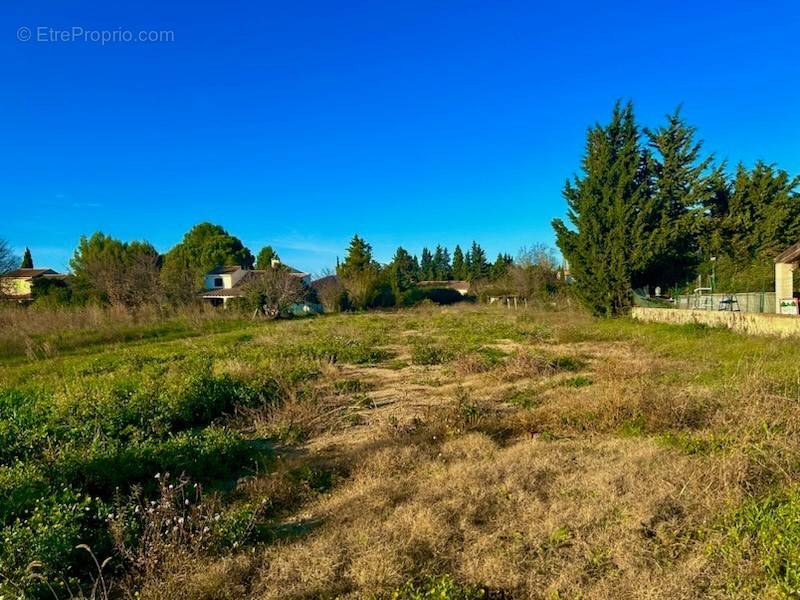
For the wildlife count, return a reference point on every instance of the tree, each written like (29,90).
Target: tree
(360,274)
(265,258)
(273,292)
(459,270)
(331,292)
(478,267)
(124,274)
(500,266)
(27,260)
(537,255)
(610,210)
(763,213)
(204,247)
(426,271)
(682,184)
(401,273)
(8,262)
(441,264)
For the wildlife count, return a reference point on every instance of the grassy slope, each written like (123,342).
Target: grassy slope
(531,454)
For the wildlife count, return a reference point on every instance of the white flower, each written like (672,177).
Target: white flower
(158,475)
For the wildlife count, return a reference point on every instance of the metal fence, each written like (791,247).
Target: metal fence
(757,302)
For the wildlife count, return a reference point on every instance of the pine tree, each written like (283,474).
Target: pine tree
(360,274)
(682,184)
(611,212)
(498,268)
(441,264)
(763,213)
(458,269)
(401,273)
(426,265)
(478,267)
(27,260)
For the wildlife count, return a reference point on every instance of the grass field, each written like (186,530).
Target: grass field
(462,452)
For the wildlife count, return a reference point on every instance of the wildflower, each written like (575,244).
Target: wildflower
(186,502)
(158,475)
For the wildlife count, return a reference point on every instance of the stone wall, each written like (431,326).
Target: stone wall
(751,323)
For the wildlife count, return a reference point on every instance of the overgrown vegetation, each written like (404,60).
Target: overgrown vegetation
(440,452)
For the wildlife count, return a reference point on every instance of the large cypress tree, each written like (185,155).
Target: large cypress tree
(763,213)
(402,273)
(441,264)
(682,183)
(478,266)
(458,269)
(426,265)
(610,210)
(27,260)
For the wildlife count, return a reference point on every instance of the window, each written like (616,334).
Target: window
(218,282)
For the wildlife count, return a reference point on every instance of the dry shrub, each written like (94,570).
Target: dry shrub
(524,364)
(161,541)
(471,364)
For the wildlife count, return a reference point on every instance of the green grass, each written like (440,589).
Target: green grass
(768,530)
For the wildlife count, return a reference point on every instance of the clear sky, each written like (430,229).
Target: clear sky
(416,122)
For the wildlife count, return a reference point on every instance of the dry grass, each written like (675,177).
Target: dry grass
(538,455)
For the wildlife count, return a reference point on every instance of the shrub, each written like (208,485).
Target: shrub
(430,354)
(438,588)
(47,537)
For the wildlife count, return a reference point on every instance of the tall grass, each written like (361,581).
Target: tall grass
(36,332)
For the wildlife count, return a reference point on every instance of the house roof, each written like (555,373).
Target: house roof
(238,288)
(323,281)
(233,292)
(791,254)
(224,270)
(29,273)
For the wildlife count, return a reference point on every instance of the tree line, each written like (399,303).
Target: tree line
(650,208)
(133,274)
(362,282)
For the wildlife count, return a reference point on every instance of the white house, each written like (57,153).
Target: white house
(224,283)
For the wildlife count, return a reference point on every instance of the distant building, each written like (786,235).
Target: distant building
(17,285)
(785,264)
(462,287)
(224,283)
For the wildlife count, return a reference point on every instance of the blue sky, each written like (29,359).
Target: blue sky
(301,123)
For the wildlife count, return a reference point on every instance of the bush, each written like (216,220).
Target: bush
(438,588)
(442,296)
(44,542)
(430,354)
